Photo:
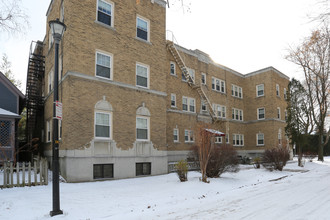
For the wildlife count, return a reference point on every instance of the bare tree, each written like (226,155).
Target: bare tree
(5,68)
(313,57)
(13,18)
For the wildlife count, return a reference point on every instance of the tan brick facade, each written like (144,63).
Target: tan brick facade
(83,93)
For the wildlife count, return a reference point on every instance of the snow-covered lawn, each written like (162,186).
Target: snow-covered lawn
(295,193)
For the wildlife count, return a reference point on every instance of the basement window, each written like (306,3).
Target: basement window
(102,171)
(143,169)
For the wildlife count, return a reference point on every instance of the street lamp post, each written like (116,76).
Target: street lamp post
(57,29)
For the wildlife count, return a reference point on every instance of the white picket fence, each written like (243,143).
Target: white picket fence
(24,174)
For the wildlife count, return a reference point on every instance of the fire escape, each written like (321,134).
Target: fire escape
(198,87)
(34,98)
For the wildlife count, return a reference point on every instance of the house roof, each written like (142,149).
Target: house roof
(11,85)
(7,114)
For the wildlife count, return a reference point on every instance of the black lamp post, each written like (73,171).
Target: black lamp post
(57,29)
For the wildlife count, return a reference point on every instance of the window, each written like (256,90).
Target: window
(227,138)
(142,28)
(261,113)
(102,171)
(62,13)
(102,125)
(203,104)
(49,131)
(238,140)
(59,129)
(188,136)
(173,72)
(277,90)
(218,140)
(142,75)
(103,65)
(105,12)
(50,80)
(218,85)
(260,90)
(279,136)
(286,114)
(278,112)
(237,114)
(219,110)
(173,100)
(143,169)
(60,58)
(50,39)
(260,139)
(203,79)
(142,128)
(284,93)
(176,135)
(191,73)
(186,101)
(236,91)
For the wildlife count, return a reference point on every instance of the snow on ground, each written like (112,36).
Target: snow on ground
(295,193)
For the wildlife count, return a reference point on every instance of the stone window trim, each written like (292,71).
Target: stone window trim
(260,139)
(111,13)
(111,64)
(261,115)
(138,64)
(260,90)
(147,29)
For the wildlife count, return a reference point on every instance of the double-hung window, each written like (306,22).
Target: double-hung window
(261,113)
(260,90)
(192,105)
(203,104)
(142,28)
(218,85)
(218,140)
(173,100)
(184,104)
(172,66)
(237,114)
(277,90)
(142,75)
(278,112)
(188,136)
(105,12)
(219,110)
(238,140)
(176,135)
(103,65)
(49,131)
(142,128)
(284,93)
(188,104)
(260,139)
(203,79)
(236,91)
(50,80)
(102,125)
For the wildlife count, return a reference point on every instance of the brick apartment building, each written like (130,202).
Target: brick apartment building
(131,98)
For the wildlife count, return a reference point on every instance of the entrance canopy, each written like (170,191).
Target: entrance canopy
(215,132)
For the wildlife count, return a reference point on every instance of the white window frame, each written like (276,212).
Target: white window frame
(284,93)
(50,80)
(277,90)
(203,76)
(49,131)
(177,135)
(50,39)
(62,12)
(191,138)
(148,27)
(238,113)
(173,96)
(110,125)
(148,128)
(148,74)
(278,113)
(216,81)
(174,68)
(263,139)
(240,138)
(223,110)
(203,103)
(258,113)
(239,90)
(60,61)
(189,100)
(227,138)
(263,90)
(218,140)
(111,64)
(112,12)
(279,136)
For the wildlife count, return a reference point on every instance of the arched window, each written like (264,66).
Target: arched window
(142,124)
(103,120)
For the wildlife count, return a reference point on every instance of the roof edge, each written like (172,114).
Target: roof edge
(11,85)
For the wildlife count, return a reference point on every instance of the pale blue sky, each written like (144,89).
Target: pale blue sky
(243,35)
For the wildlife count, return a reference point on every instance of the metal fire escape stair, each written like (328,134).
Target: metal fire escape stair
(34,99)
(178,59)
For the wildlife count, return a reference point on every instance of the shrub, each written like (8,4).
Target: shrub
(182,170)
(222,159)
(275,158)
(256,162)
